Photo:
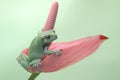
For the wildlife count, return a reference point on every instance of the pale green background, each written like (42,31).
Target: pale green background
(20,20)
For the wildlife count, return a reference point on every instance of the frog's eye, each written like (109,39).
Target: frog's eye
(47,36)
(54,31)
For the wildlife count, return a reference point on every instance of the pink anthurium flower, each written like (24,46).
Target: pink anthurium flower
(71,52)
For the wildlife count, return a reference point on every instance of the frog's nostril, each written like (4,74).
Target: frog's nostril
(56,36)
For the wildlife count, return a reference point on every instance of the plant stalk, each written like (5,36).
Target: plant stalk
(33,76)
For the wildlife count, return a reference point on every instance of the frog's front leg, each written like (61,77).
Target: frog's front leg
(23,61)
(48,52)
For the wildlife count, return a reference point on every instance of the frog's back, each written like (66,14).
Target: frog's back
(36,50)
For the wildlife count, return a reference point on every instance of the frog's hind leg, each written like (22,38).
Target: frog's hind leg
(23,61)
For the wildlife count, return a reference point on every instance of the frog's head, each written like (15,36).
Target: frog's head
(48,36)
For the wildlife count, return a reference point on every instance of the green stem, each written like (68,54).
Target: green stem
(33,76)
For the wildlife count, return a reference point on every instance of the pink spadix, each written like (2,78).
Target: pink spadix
(51,17)
(72,52)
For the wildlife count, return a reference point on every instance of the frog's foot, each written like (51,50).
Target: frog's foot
(36,64)
(37,67)
(58,52)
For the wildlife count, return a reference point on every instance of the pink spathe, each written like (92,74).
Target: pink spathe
(72,52)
